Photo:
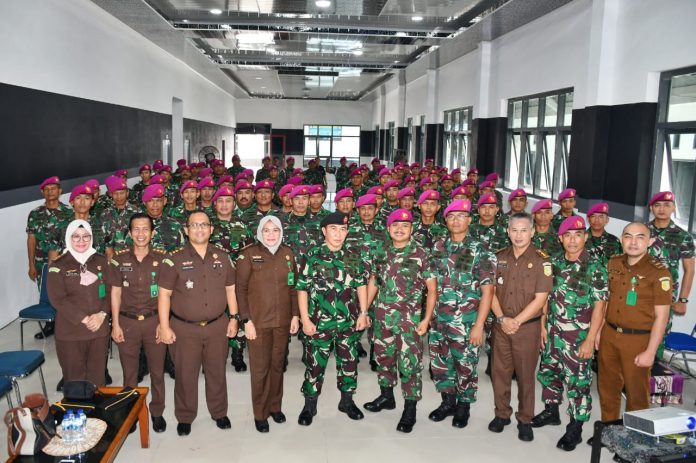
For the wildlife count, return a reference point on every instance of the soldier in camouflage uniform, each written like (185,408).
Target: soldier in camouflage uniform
(488,229)
(575,315)
(300,231)
(566,199)
(81,200)
(545,237)
(230,234)
(316,202)
(373,175)
(169,234)
(672,244)
(219,170)
(263,193)
(136,193)
(285,174)
(332,296)
(345,203)
(465,273)
(264,171)
(401,274)
(244,196)
(357,183)
(313,176)
(100,202)
(285,201)
(391,203)
(407,200)
(601,244)
(206,191)
(189,195)
(493,178)
(115,220)
(342,174)
(426,228)
(237,167)
(518,203)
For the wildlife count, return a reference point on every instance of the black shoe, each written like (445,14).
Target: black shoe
(183,429)
(59,387)
(169,365)
(525,432)
(373,365)
(362,353)
(47,331)
(446,408)
(408,417)
(461,415)
(347,406)
(223,423)
(107,377)
(238,360)
(159,424)
(498,424)
(385,401)
(261,426)
(278,417)
(549,416)
(572,436)
(309,411)
(489,364)
(590,441)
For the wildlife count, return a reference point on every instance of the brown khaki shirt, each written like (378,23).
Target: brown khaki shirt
(73,301)
(653,286)
(263,293)
(197,285)
(518,280)
(135,279)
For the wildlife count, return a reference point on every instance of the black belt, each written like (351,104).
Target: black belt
(140,316)
(199,323)
(621,330)
(532,320)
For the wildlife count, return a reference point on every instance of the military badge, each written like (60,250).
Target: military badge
(547,269)
(665,284)
(189,284)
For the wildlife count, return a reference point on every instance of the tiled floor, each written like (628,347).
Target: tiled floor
(332,437)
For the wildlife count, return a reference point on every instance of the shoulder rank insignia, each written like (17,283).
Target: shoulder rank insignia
(114,262)
(53,270)
(542,253)
(168,262)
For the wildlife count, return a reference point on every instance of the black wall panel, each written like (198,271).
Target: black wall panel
(294,141)
(202,134)
(367,142)
(434,142)
(488,142)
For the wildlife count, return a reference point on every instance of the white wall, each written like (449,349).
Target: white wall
(294,114)
(77,49)
(417,97)
(458,84)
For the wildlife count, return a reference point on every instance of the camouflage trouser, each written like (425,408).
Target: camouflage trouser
(488,331)
(317,350)
(38,265)
(454,360)
(398,348)
(561,367)
(239,341)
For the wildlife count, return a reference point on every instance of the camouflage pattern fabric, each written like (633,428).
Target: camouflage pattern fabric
(135,195)
(42,223)
(493,237)
(548,242)
(103,202)
(169,235)
(603,247)
(262,174)
(320,214)
(342,177)
(230,236)
(427,235)
(235,170)
(301,233)
(180,214)
(313,177)
(577,285)
(558,219)
(331,278)
(114,225)
(252,216)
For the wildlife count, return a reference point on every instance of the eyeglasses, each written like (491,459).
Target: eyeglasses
(196,226)
(83,238)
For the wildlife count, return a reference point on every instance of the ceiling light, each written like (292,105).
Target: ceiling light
(401,34)
(271,50)
(322,3)
(416,18)
(265,38)
(258,78)
(396,61)
(216,11)
(263,87)
(185,20)
(357,52)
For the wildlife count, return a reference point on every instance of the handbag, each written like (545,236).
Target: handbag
(30,427)
(123,398)
(79,390)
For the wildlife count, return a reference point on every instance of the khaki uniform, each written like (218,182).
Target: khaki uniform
(626,331)
(81,352)
(517,282)
(199,321)
(265,298)
(138,319)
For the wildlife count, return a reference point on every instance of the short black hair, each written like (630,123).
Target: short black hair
(141,215)
(188,220)
(522,216)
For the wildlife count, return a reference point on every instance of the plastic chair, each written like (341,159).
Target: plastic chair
(41,312)
(5,389)
(682,344)
(20,364)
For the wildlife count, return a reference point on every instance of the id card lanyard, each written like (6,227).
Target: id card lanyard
(632,296)
(153,286)
(102,286)
(291,274)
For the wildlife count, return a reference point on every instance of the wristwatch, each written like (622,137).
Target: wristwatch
(500,319)
(683,299)
(235,316)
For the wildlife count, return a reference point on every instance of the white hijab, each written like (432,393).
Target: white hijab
(81,257)
(259,232)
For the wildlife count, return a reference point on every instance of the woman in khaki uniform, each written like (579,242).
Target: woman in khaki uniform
(77,290)
(268,305)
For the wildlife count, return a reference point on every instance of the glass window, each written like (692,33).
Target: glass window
(538,143)
(682,98)
(329,141)
(457,138)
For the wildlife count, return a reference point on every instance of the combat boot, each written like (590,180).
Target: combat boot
(347,406)
(408,417)
(548,417)
(461,415)
(373,362)
(238,360)
(361,350)
(385,401)
(572,436)
(309,411)
(446,408)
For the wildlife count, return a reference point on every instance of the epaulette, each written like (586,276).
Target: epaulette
(542,253)
(61,257)
(657,263)
(177,250)
(159,250)
(122,251)
(248,246)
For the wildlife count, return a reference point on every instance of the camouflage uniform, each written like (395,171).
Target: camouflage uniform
(135,195)
(114,226)
(493,237)
(373,178)
(169,234)
(181,214)
(603,247)
(330,279)
(558,219)
(235,170)
(342,177)
(252,216)
(313,177)
(42,223)
(548,242)
(400,277)
(301,233)
(577,286)
(462,268)
(101,204)
(427,235)
(319,215)
(262,174)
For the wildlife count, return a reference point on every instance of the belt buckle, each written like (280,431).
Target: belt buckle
(619,329)
(141,317)
(203,323)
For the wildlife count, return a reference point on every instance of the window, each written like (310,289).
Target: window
(539,142)
(458,138)
(332,141)
(377,152)
(675,159)
(391,142)
(409,140)
(420,155)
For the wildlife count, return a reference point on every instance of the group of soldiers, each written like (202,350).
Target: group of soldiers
(412,254)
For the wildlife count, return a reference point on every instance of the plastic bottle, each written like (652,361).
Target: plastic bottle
(68,426)
(82,425)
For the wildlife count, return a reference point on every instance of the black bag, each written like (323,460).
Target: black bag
(30,427)
(79,390)
(125,397)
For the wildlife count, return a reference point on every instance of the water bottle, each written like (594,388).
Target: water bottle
(68,426)
(82,426)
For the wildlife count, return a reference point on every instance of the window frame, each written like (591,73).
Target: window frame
(457,137)
(318,137)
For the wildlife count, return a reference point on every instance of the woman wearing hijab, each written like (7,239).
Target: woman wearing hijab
(268,307)
(77,290)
